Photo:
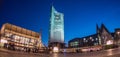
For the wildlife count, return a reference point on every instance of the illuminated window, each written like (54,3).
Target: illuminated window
(8,34)
(96,43)
(32,40)
(74,43)
(3,41)
(109,42)
(90,37)
(35,42)
(26,40)
(96,38)
(17,38)
(71,44)
(22,39)
(13,38)
(84,39)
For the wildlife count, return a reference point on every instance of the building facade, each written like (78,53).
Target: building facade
(56,37)
(18,38)
(106,37)
(117,36)
(91,40)
(102,37)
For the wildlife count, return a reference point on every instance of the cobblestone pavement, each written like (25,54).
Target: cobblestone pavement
(116,55)
(8,54)
(105,53)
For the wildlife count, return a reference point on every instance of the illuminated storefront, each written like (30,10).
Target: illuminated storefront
(19,38)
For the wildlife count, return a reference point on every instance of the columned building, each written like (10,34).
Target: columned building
(56,37)
(18,38)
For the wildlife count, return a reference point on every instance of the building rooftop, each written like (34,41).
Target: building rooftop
(21,30)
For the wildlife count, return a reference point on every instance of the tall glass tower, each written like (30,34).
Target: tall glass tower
(56,28)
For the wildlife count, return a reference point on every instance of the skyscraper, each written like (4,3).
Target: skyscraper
(56,28)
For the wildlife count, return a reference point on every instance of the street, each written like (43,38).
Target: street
(105,53)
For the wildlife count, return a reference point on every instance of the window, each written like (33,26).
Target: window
(96,38)
(84,39)
(26,41)
(8,34)
(32,40)
(12,37)
(22,39)
(16,38)
(90,37)
(95,43)
(74,43)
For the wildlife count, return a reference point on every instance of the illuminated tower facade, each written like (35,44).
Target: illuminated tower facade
(56,37)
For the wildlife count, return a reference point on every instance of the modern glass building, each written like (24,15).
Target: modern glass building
(56,28)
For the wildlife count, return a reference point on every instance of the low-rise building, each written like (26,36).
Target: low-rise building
(18,38)
(96,41)
(84,41)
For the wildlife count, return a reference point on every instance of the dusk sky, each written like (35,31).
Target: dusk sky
(80,16)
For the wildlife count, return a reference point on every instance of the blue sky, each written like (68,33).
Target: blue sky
(80,16)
